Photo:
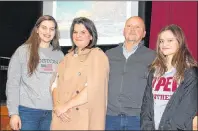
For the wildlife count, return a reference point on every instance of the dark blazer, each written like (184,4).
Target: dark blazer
(181,108)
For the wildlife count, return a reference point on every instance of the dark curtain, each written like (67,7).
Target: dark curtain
(17,19)
(144,11)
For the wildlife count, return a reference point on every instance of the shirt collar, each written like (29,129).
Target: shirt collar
(134,48)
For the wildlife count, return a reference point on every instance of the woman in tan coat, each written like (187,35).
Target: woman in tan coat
(80,86)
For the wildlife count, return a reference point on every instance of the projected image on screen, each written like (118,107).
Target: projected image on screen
(108,16)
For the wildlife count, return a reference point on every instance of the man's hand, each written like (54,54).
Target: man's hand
(15,122)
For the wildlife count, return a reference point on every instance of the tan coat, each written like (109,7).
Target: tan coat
(89,69)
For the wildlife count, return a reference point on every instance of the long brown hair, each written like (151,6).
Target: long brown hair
(34,41)
(181,60)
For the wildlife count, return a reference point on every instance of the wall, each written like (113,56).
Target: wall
(16,21)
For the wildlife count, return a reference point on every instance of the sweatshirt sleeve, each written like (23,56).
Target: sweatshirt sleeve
(97,92)
(13,83)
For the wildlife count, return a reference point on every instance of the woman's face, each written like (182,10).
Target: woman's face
(46,31)
(168,43)
(81,36)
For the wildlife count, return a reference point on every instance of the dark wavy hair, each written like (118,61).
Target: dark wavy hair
(90,26)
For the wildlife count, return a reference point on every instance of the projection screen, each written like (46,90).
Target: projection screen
(108,16)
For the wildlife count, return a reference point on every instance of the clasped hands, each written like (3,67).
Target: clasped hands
(62,111)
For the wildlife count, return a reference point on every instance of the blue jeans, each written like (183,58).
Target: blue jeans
(122,122)
(35,119)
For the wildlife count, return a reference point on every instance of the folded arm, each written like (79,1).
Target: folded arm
(79,99)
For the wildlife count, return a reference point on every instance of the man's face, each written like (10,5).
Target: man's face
(134,30)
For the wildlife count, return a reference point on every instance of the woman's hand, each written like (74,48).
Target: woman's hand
(61,111)
(65,117)
(195,123)
(15,122)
